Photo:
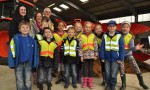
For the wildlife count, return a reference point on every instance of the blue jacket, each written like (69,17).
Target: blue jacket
(34,53)
(112,55)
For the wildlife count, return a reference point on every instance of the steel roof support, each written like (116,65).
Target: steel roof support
(85,12)
(131,9)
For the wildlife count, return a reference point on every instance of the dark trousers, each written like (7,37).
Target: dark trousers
(88,67)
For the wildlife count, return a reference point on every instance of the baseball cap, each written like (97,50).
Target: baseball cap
(126,22)
(111,22)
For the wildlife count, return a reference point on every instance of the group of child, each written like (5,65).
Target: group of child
(75,49)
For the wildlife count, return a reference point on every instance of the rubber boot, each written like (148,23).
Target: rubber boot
(141,82)
(123,79)
(84,84)
(103,83)
(40,85)
(59,78)
(90,83)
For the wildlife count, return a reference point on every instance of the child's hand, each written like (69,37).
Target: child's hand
(119,62)
(95,58)
(82,60)
(139,46)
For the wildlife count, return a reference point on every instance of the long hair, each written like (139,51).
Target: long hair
(17,15)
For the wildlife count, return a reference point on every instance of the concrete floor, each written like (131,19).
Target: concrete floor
(7,82)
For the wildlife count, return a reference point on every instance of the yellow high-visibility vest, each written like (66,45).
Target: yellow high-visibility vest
(70,49)
(58,38)
(112,43)
(39,37)
(99,41)
(88,41)
(47,49)
(126,40)
(78,36)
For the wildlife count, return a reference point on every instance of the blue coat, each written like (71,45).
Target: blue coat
(112,55)
(34,53)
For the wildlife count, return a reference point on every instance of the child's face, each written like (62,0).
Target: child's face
(22,11)
(88,28)
(125,28)
(24,29)
(61,26)
(47,33)
(98,29)
(111,28)
(71,33)
(78,27)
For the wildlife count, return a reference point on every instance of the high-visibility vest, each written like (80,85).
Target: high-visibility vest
(39,37)
(112,43)
(12,47)
(58,38)
(47,49)
(88,41)
(99,41)
(70,49)
(126,40)
(78,36)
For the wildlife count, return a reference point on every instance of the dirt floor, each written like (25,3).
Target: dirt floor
(7,81)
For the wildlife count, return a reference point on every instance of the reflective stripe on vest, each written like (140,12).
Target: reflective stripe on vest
(47,49)
(88,41)
(12,47)
(70,49)
(39,37)
(126,40)
(112,44)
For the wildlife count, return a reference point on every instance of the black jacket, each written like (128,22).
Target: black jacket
(69,59)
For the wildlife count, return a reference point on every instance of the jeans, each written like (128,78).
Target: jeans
(23,76)
(88,67)
(67,74)
(111,71)
(42,71)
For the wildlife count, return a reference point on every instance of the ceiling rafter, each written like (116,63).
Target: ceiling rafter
(85,12)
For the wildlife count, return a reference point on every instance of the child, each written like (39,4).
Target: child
(78,29)
(98,31)
(47,59)
(70,57)
(129,47)
(59,35)
(88,52)
(112,53)
(23,56)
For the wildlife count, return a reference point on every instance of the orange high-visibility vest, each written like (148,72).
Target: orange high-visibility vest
(88,41)
(47,49)
(127,39)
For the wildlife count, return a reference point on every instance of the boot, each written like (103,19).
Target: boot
(59,78)
(84,84)
(123,79)
(141,82)
(90,83)
(48,86)
(103,83)
(40,85)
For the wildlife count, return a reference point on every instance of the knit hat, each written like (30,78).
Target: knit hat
(126,22)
